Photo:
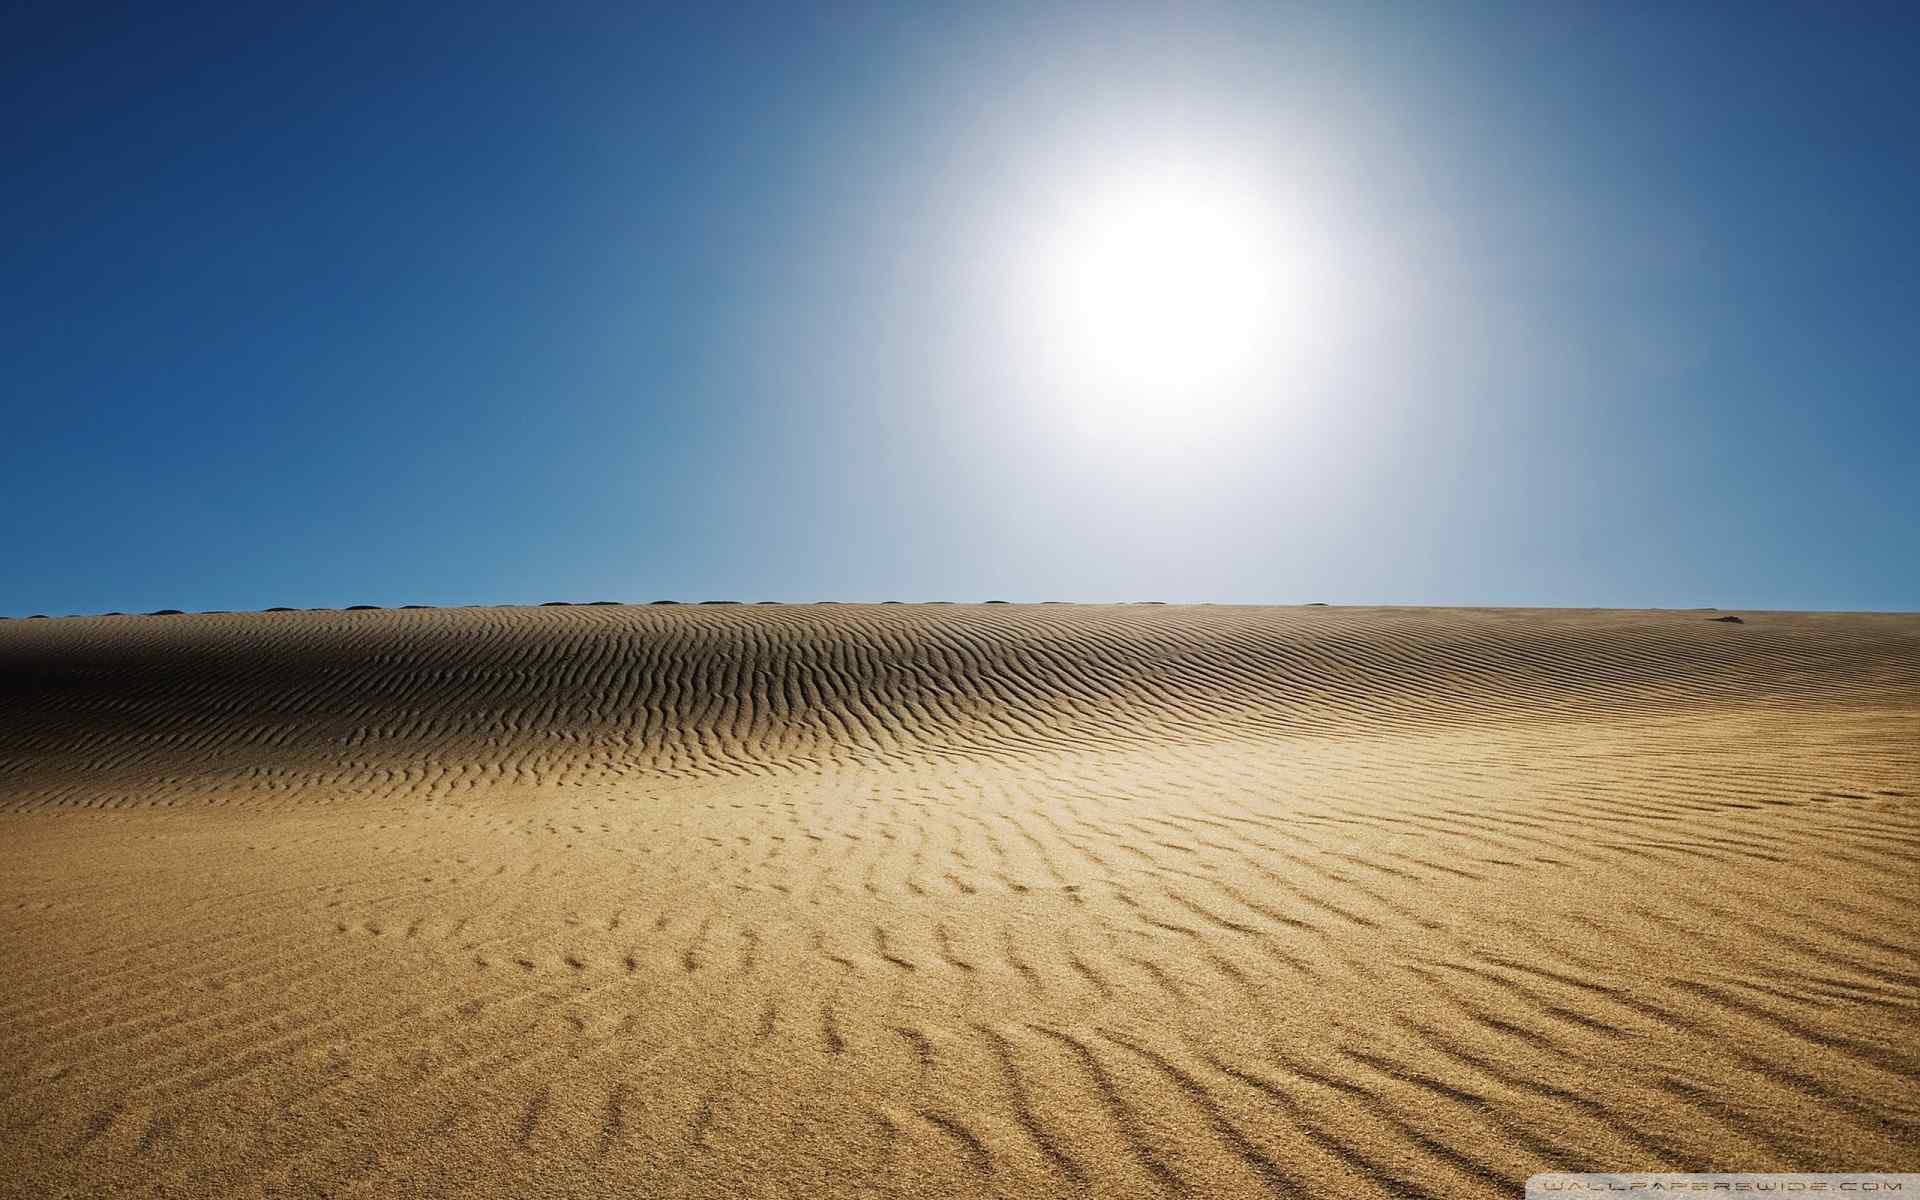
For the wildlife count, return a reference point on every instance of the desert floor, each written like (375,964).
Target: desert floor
(971,900)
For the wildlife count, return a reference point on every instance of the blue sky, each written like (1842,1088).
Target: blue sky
(1579,304)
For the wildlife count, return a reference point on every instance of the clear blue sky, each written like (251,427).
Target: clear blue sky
(1579,304)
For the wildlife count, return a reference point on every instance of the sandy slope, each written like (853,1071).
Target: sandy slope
(974,900)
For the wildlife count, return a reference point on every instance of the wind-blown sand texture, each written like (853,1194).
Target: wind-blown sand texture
(1026,901)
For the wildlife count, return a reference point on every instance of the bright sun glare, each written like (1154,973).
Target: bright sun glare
(1161,292)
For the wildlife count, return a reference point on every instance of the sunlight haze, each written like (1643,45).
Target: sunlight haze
(1449,303)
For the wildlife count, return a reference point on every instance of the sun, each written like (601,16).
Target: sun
(1159,289)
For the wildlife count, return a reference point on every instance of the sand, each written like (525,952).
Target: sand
(920,901)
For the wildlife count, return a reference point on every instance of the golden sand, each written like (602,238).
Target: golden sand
(920,901)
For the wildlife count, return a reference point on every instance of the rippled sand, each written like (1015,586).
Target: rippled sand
(1028,901)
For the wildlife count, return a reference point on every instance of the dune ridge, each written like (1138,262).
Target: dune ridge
(558,695)
(1022,900)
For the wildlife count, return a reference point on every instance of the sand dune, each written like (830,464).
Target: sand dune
(953,900)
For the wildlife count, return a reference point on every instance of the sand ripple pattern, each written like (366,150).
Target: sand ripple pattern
(952,900)
(232,706)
